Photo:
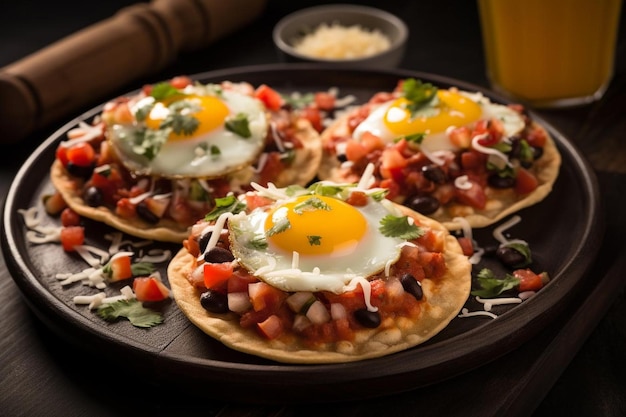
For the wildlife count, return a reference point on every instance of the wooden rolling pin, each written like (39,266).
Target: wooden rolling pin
(62,78)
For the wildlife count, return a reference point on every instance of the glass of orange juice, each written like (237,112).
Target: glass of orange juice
(550,53)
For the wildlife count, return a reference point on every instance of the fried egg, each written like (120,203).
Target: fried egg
(314,242)
(191,135)
(451,108)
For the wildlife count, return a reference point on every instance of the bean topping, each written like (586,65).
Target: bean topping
(424,204)
(367,318)
(218,255)
(412,286)
(214,301)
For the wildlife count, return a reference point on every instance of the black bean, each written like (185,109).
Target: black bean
(342,157)
(412,286)
(496,181)
(510,256)
(204,240)
(214,301)
(80,171)
(424,204)
(93,197)
(367,318)
(490,250)
(537,152)
(434,173)
(144,212)
(218,255)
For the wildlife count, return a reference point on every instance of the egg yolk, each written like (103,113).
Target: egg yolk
(211,115)
(315,225)
(453,109)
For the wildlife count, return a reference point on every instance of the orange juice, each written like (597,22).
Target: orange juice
(550,53)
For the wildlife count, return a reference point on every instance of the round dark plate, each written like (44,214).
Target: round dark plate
(563,231)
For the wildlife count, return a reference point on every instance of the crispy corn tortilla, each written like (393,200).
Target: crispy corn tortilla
(500,203)
(303,170)
(444,297)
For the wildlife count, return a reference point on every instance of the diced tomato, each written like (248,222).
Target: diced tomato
(371,142)
(537,138)
(472,159)
(490,129)
(357,199)
(72,236)
(61,154)
(392,164)
(265,297)
(180,81)
(216,275)
(122,114)
(432,241)
(355,150)
(239,281)
(461,137)
(314,116)
(81,154)
(270,97)
(324,101)
(125,209)
(466,246)
(434,264)
(474,196)
(69,217)
(271,327)
(525,181)
(120,268)
(255,201)
(150,289)
(529,281)
(157,206)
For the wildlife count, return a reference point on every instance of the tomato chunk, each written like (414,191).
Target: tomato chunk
(529,281)
(271,327)
(120,268)
(71,237)
(525,182)
(81,154)
(216,274)
(270,97)
(150,289)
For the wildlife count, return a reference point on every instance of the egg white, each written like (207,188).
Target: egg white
(331,272)
(192,157)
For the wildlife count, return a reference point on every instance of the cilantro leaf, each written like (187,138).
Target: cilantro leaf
(133,310)
(314,240)
(418,93)
(394,226)
(180,118)
(239,125)
(140,269)
(311,204)
(415,138)
(148,142)
(227,204)
(280,226)
(492,286)
(257,242)
(164,90)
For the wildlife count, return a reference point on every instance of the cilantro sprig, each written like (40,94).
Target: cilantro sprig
(491,286)
(311,204)
(228,204)
(239,125)
(133,310)
(400,227)
(418,93)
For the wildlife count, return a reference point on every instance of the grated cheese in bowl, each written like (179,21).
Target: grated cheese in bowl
(342,42)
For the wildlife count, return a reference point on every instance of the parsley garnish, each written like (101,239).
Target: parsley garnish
(140,269)
(133,310)
(228,204)
(326,190)
(215,151)
(311,204)
(279,226)
(314,240)
(415,138)
(257,242)
(161,91)
(239,125)
(379,195)
(492,286)
(394,226)
(418,93)
(180,119)
(148,142)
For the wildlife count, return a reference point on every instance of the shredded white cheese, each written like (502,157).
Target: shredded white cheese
(367,291)
(335,41)
(462,182)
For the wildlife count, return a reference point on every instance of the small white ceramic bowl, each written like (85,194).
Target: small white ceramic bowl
(296,25)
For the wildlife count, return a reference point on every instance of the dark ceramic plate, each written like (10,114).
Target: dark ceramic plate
(564,232)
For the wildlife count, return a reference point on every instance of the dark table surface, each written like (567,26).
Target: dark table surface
(576,367)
